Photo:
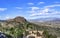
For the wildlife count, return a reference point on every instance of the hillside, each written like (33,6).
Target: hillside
(16,26)
(50,24)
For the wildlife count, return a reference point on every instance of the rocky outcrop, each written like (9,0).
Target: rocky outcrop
(18,19)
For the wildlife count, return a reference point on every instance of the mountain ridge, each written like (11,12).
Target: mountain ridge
(45,19)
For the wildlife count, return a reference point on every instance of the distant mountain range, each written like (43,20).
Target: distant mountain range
(45,20)
(2,20)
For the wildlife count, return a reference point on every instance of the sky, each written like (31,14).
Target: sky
(30,9)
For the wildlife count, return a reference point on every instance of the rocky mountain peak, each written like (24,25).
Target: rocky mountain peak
(18,19)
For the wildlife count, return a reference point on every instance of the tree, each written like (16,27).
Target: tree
(52,36)
(47,35)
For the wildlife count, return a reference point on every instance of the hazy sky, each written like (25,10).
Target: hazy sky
(30,9)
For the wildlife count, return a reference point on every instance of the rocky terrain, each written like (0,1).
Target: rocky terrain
(50,24)
(16,26)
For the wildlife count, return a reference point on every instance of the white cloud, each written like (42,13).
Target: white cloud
(33,9)
(45,11)
(42,11)
(3,9)
(57,2)
(19,8)
(52,6)
(34,14)
(0,16)
(41,2)
(30,3)
(4,17)
(7,17)
(36,11)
